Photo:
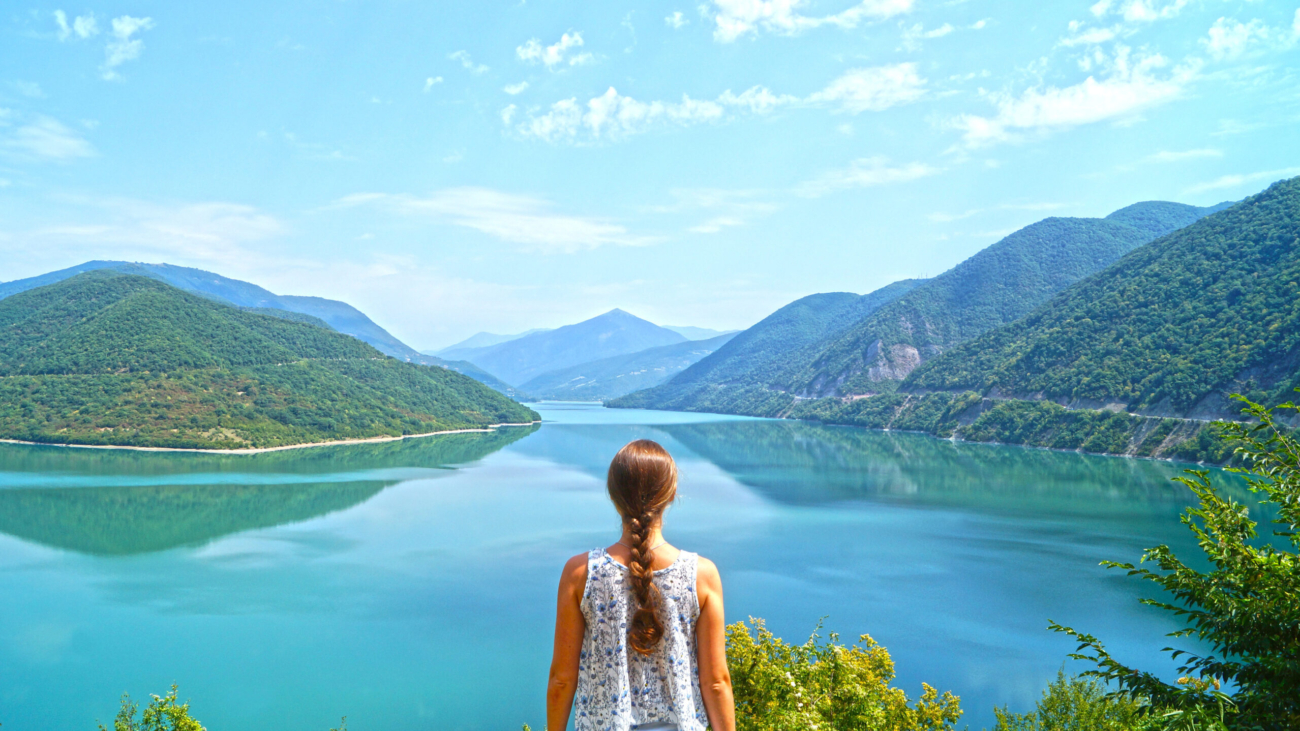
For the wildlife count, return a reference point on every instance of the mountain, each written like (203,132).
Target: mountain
(996,286)
(613,333)
(339,315)
(754,355)
(110,358)
(622,374)
(1170,329)
(697,333)
(478,341)
(1162,217)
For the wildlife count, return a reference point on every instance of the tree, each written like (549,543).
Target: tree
(1246,607)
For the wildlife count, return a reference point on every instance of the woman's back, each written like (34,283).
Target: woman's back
(617,687)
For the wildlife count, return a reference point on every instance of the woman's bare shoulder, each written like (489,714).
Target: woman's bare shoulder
(706,573)
(574,577)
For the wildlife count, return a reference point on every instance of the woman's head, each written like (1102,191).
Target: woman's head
(642,483)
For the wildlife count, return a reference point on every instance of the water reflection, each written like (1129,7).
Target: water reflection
(114,502)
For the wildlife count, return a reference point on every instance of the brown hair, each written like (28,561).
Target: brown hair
(642,482)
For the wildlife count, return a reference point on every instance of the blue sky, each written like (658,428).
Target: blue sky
(453,167)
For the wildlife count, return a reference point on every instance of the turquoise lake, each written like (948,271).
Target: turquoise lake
(410,585)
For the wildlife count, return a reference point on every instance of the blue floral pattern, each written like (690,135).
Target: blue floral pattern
(618,689)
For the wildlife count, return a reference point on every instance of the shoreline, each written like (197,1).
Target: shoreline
(263,450)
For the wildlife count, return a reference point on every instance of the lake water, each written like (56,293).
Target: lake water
(410,585)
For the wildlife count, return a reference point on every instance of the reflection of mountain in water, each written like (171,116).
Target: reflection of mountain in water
(800,463)
(289,486)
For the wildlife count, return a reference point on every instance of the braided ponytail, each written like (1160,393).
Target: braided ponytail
(642,482)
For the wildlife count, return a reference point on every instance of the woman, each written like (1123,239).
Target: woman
(639,630)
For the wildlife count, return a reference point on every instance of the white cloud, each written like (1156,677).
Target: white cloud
(82,26)
(1081,35)
(612,115)
(863,172)
(912,36)
(513,89)
(517,219)
(122,47)
(949,217)
(468,63)
(1180,156)
(1131,86)
(556,54)
(431,82)
(757,99)
(1140,10)
(1295,24)
(1234,181)
(508,114)
(676,20)
(736,18)
(873,89)
(45,138)
(615,116)
(1229,38)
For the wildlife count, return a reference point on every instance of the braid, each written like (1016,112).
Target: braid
(646,629)
(642,482)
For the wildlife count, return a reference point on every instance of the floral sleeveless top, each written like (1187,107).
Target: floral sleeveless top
(619,688)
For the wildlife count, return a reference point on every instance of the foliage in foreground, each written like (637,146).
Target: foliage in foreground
(824,685)
(1246,607)
(165,714)
(1083,704)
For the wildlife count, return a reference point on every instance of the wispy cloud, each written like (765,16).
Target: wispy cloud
(949,217)
(873,89)
(560,53)
(861,173)
(467,62)
(1234,181)
(613,116)
(123,45)
(1139,11)
(1181,155)
(914,34)
(211,233)
(513,89)
(29,89)
(82,26)
(43,139)
(431,82)
(724,208)
(518,219)
(737,18)
(1131,84)
(676,20)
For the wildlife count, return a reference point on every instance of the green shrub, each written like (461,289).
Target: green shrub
(1073,704)
(824,685)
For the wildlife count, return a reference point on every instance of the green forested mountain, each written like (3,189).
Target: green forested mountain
(338,315)
(622,374)
(1170,329)
(740,367)
(1158,218)
(111,358)
(994,287)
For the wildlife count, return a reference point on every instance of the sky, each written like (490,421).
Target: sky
(456,167)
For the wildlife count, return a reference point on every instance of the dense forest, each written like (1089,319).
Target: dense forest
(1170,329)
(1084,312)
(109,358)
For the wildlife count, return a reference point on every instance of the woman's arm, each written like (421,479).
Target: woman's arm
(711,650)
(569,628)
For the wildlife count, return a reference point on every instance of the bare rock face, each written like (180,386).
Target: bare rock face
(894,363)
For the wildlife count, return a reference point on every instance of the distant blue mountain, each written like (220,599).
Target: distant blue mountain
(698,333)
(610,378)
(613,333)
(338,315)
(478,342)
